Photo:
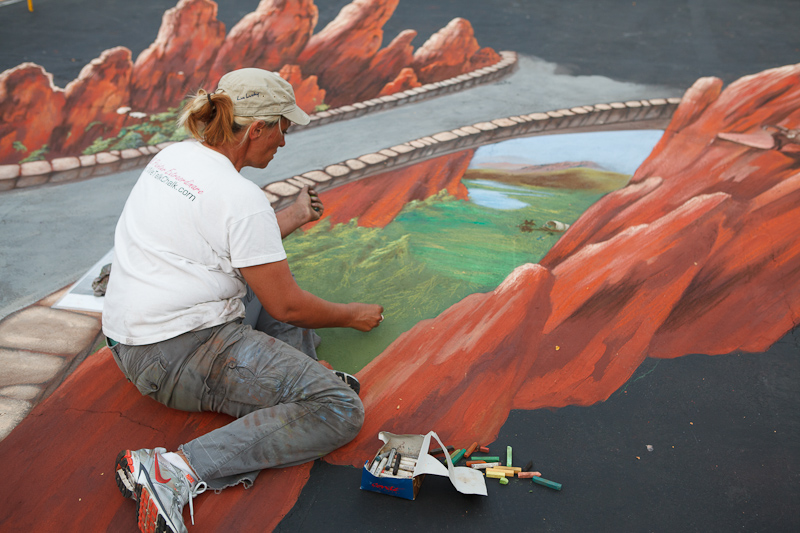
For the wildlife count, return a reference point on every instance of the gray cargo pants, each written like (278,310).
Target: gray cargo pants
(289,409)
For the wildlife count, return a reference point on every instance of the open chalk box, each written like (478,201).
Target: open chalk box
(415,448)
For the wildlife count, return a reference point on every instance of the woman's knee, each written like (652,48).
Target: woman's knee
(350,414)
(358,417)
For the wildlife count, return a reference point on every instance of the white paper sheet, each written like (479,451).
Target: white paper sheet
(80,296)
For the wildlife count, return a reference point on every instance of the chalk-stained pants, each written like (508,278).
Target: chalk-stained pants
(289,408)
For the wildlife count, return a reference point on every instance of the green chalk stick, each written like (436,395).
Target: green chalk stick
(546,483)
(456,457)
(503,481)
(487,458)
(508,455)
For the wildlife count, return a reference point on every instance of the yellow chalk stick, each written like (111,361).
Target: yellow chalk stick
(494,473)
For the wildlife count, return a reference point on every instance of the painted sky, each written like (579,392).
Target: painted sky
(616,151)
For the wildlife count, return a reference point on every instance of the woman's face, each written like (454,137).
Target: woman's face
(265,141)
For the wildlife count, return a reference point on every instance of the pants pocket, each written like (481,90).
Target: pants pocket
(236,390)
(151,378)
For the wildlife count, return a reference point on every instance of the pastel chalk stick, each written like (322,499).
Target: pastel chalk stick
(439,451)
(456,457)
(546,482)
(471,449)
(484,466)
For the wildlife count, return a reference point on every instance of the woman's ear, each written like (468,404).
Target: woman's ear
(257,129)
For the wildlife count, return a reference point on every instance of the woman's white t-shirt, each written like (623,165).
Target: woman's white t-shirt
(190,222)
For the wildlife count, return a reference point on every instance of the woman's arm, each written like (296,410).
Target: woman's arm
(285,301)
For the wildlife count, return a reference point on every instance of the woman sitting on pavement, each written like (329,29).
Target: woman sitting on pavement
(194,234)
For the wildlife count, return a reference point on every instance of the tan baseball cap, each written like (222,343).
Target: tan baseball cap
(260,93)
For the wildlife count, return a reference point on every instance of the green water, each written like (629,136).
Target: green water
(431,256)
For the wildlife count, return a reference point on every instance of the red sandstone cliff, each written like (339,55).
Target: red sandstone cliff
(375,201)
(270,37)
(93,99)
(306,91)
(343,64)
(386,66)
(485,57)
(447,53)
(27,91)
(680,261)
(179,60)
(340,53)
(405,80)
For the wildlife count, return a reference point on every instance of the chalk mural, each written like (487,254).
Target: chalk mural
(653,269)
(461,239)
(532,273)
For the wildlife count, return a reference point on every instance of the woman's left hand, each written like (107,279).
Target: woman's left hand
(309,204)
(306,208)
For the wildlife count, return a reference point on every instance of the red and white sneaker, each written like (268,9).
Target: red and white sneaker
(161,489)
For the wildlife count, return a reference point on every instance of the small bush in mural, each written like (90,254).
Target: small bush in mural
(36,155)
(158,128)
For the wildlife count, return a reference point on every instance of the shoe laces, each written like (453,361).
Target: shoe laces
(198,488)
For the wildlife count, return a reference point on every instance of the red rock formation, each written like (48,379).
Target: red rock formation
(306,91)
(485,57)
(271,36)
(698,254)
(179,60)
(386,66)
(344,64)
(92,102)
(447,53)
(27,91)
(376,200)
(407,79)
(341,53)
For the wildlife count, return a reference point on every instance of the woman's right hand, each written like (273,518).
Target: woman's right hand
(365,316)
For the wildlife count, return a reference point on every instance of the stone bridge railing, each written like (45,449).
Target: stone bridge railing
(635,114)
